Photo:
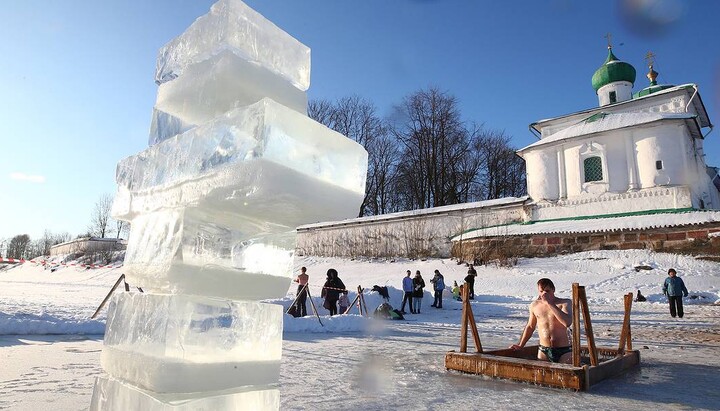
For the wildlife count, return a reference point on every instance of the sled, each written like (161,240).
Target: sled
(590,365)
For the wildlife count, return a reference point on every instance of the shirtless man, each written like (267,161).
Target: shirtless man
(552,316)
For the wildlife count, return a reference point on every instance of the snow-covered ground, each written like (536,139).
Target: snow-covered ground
(50,348)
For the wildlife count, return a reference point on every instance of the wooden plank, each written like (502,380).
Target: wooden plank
(623,331)
(588,327)
(628,334)
(107,297)
(464,319)
(473,326)
(576,325)
(614,367)
(533,371)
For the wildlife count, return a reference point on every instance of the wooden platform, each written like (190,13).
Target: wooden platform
(590,364)
(523,365)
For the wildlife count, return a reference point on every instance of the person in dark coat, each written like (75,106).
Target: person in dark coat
(674,289)
(331,291)
(470,280)
(418,290)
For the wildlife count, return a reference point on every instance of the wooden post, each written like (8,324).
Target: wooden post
(465,292)
(352,304)
(362,301)
(588,327)
(576,325)
(312,304)
(626,322)
(295,300)
(473,326)
(107,297)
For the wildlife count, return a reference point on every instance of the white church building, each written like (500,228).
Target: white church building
(629,173)
(632,153)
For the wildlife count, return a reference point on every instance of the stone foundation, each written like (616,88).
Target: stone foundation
(701,240)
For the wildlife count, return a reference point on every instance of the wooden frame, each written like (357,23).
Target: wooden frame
(591,364)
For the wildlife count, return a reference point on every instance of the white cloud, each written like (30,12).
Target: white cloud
(26,177)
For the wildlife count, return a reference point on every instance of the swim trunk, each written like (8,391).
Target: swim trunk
(554,353)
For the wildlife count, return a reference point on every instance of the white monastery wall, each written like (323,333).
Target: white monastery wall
(622,89)
(408,235)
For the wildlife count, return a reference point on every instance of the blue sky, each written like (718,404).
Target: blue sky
(77,85)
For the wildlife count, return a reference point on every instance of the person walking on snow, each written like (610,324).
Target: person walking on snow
(674,289)
(418,287)
(438,282)
(407,284)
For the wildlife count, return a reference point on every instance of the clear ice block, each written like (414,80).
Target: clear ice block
(194,251)
(164,126)
(258,161)
(111,394)
(224,82)
(233,26)
(179,343)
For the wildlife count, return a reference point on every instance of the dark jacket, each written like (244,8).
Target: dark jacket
(332,289)
(418,284)
(674,287)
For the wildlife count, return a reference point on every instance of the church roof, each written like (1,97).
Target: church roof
(603,121)
(613,70)
(688,89)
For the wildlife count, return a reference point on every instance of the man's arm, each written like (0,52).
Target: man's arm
(563,315)
(684,289)
(665,284)
(527,332)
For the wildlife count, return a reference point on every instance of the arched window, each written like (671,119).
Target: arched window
(593,169)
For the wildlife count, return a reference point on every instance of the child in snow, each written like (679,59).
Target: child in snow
(456,291)
(343,302)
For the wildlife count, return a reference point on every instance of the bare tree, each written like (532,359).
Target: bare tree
(19,246)
(356,118)
(503,172)
(100,218)
(434,141)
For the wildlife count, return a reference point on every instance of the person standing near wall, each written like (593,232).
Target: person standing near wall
(407,284)
(438,282)
(470,280)
(302,280)
(419,290)
(331,291)
(674,289)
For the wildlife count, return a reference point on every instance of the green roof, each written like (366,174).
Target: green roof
(652,89)
(611,71)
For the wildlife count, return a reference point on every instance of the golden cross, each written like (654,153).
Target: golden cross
(650,58)
(609,39)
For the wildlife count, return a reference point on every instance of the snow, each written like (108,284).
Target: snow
(596,225)
(353,361)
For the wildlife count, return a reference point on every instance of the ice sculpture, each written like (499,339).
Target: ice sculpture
(234,165)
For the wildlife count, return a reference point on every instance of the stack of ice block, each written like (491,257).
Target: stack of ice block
(234,165)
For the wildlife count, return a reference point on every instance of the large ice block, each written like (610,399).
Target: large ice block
(111,394)
(224,82)
(233,26)
(179,343)
(164,125)
(195,251)
(258,161)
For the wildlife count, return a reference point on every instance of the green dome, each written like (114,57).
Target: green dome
(613,70)
(652,89)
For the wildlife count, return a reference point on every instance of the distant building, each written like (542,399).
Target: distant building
(87,245)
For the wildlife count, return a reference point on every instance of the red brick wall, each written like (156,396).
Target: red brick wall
(692,240)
